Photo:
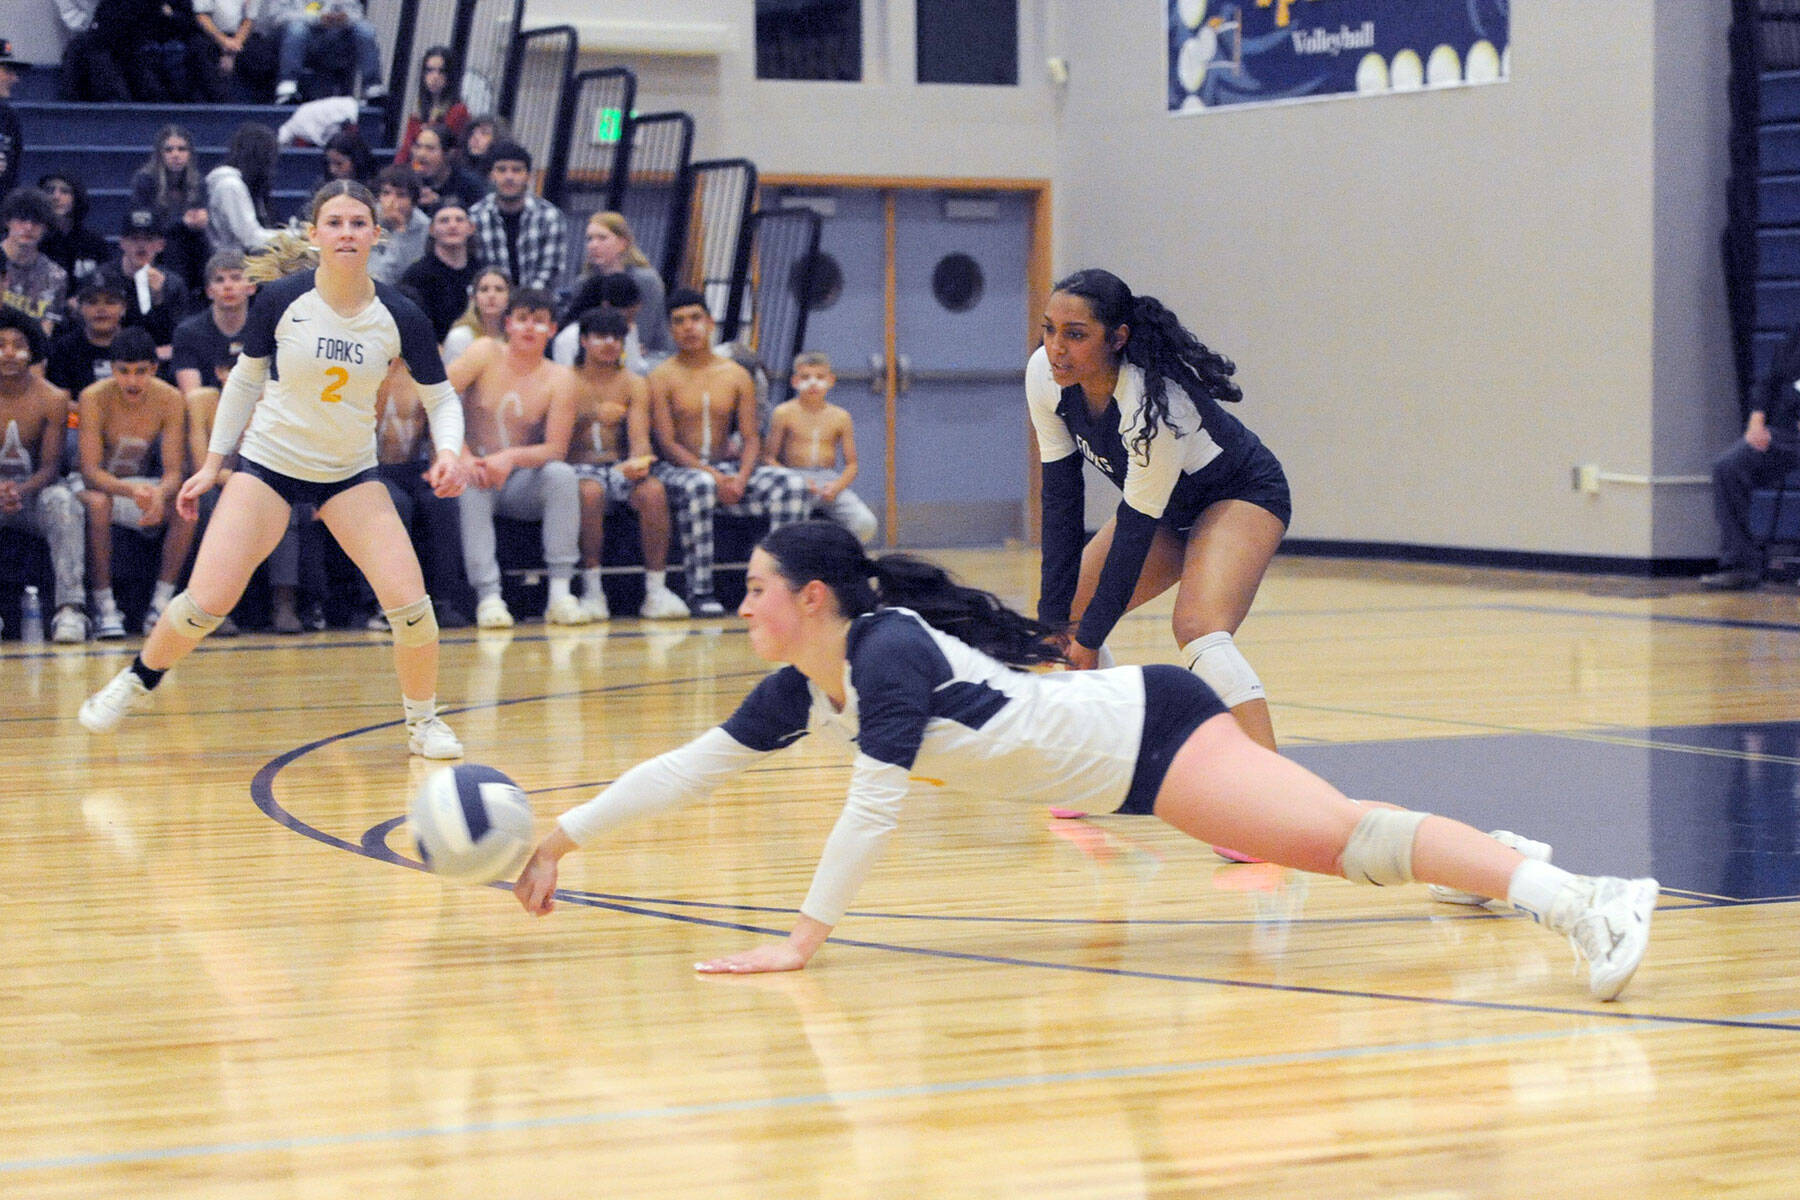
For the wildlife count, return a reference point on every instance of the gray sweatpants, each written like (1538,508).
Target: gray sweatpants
(550,494)
(55,515)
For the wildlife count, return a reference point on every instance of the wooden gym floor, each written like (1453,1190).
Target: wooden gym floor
(222,976)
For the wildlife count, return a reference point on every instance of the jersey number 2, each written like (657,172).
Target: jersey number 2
(334,390)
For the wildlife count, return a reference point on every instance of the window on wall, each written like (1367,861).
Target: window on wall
(968,41)
(809,39)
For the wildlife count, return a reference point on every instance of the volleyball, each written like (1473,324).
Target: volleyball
(471,824)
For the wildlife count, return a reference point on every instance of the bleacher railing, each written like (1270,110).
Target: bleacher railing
(771,295)
(715,223)
(658,148)
(537,96)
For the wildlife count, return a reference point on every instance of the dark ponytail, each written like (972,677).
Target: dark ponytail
(1158,345)
(826,551)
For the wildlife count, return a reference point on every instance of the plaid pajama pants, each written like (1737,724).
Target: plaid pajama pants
(777,493)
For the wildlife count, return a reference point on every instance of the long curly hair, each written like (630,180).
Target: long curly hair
(1158,344)
(826,551)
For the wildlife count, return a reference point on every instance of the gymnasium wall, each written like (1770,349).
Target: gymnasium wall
(1442,301)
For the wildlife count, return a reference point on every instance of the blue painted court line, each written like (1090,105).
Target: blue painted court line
(764,1104)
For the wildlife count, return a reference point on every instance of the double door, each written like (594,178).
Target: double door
(923,300)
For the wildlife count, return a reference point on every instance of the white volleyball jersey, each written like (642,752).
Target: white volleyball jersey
(316,418)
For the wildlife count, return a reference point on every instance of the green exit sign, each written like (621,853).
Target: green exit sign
(609,125)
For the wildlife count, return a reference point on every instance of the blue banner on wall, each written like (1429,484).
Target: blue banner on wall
(1275,51)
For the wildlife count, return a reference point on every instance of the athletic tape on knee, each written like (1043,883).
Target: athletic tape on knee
(413,624)
(1380,849)
(189,619)
(1216,659)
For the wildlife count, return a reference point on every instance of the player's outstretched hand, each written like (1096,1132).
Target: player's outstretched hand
(777,956)
(536,888)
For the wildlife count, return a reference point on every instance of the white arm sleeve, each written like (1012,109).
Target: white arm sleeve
(243,388)
(444,412)
(870,815)
(663,784)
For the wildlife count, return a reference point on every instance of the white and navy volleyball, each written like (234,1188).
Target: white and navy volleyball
(471,824)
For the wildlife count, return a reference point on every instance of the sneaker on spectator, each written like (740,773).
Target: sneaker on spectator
(287,92)
(124,694)
(151,616)
(377,622)
(595,608)
(661,604)
(492,613)
(286,620)
(313,617)
(109,623)
(706,606)
(374,92)
(565,610)
(1524,845)
(69,625)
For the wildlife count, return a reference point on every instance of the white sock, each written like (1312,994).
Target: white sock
(419,710)
(655,581)
(484,597)
(559,589)
(590,582)
(1535,886)
(103,600)
(165,592)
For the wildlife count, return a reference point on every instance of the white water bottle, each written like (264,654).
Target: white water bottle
(31,618)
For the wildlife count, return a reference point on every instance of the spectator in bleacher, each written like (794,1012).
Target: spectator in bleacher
(347,156)
(238,49)
(518,413)
(613,250)
(440,280)
(89,71)
(82,353)
(29,281)
(1769,449)
(324,35)
(489,296)
(441,174)
(159,297)
(403,452)
(133,456)
(12,140)
(517,229)
(237,191)
(616,293)
(215,334)
(811,435)
(611,453)
(68,242)
(404,228)
(704,419)
(439,103)
(33,416)
(169,184)
(159,46)
(484,135)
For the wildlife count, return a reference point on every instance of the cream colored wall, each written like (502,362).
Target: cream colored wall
(1440,302)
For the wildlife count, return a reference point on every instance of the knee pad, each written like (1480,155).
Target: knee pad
(1380,849)
(413,624)
(1216,659)
(189,619)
